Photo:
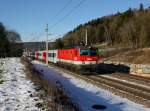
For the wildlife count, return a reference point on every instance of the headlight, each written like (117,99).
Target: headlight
(89,59)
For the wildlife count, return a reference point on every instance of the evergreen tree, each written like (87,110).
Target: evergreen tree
(58,44)
(4,43)
(10,43)
(141,7)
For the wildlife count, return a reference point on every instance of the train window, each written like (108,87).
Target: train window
(49,54)
(84,52)
(93,52)
(90,52)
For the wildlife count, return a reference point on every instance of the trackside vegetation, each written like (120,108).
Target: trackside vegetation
(10,43)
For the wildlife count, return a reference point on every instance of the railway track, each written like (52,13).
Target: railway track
(134,92)
(130,78)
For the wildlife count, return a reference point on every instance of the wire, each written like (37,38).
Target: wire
(61,10)
(63,18)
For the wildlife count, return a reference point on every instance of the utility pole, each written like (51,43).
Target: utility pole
(86,37)
(46,31)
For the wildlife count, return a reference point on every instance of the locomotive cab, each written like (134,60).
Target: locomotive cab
(90,51)
(89,55)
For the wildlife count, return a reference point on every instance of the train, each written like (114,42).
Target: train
(78,58)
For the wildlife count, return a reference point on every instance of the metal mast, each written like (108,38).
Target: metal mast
(86,37)
(46,31)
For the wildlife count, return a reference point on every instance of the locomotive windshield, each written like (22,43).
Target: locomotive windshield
(90,52)
(93,52)
(84,52)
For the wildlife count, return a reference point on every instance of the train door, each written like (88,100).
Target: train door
(55,56)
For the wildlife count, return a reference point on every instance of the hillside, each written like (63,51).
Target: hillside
(127,29)
(135,56)
(36,46)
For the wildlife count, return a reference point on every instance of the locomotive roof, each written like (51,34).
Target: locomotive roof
(81,47)
(90,47)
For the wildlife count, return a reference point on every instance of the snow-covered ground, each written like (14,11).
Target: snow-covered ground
(16,88)
(87,94)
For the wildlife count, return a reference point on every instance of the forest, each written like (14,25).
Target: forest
(10,43)
(127,29)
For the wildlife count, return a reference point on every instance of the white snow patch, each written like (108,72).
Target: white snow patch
(87,94)
(14,95)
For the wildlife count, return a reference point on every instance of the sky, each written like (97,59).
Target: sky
(29,17)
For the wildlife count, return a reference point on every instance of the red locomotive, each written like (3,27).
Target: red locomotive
(76,58)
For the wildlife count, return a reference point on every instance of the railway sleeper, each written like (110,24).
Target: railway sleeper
(135,92)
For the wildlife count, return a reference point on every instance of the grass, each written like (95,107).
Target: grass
(136,56)
(54,99)
(1,81)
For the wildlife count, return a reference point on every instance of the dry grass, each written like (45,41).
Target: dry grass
(106,54)
(137,56)
(54,99)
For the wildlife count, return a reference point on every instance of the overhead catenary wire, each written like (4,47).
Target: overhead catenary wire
(66,15)
(61,10)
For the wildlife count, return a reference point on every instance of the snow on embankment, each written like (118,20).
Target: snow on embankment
(86,94)
(15,90)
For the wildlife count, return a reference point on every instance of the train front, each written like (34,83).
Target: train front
(89,58)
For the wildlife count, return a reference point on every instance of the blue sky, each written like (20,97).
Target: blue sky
(28,17)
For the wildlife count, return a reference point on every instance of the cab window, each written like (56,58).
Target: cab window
(89,52)
(93,52)
(84,52)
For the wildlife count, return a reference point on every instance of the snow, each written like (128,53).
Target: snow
(14,92)
(86,94)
